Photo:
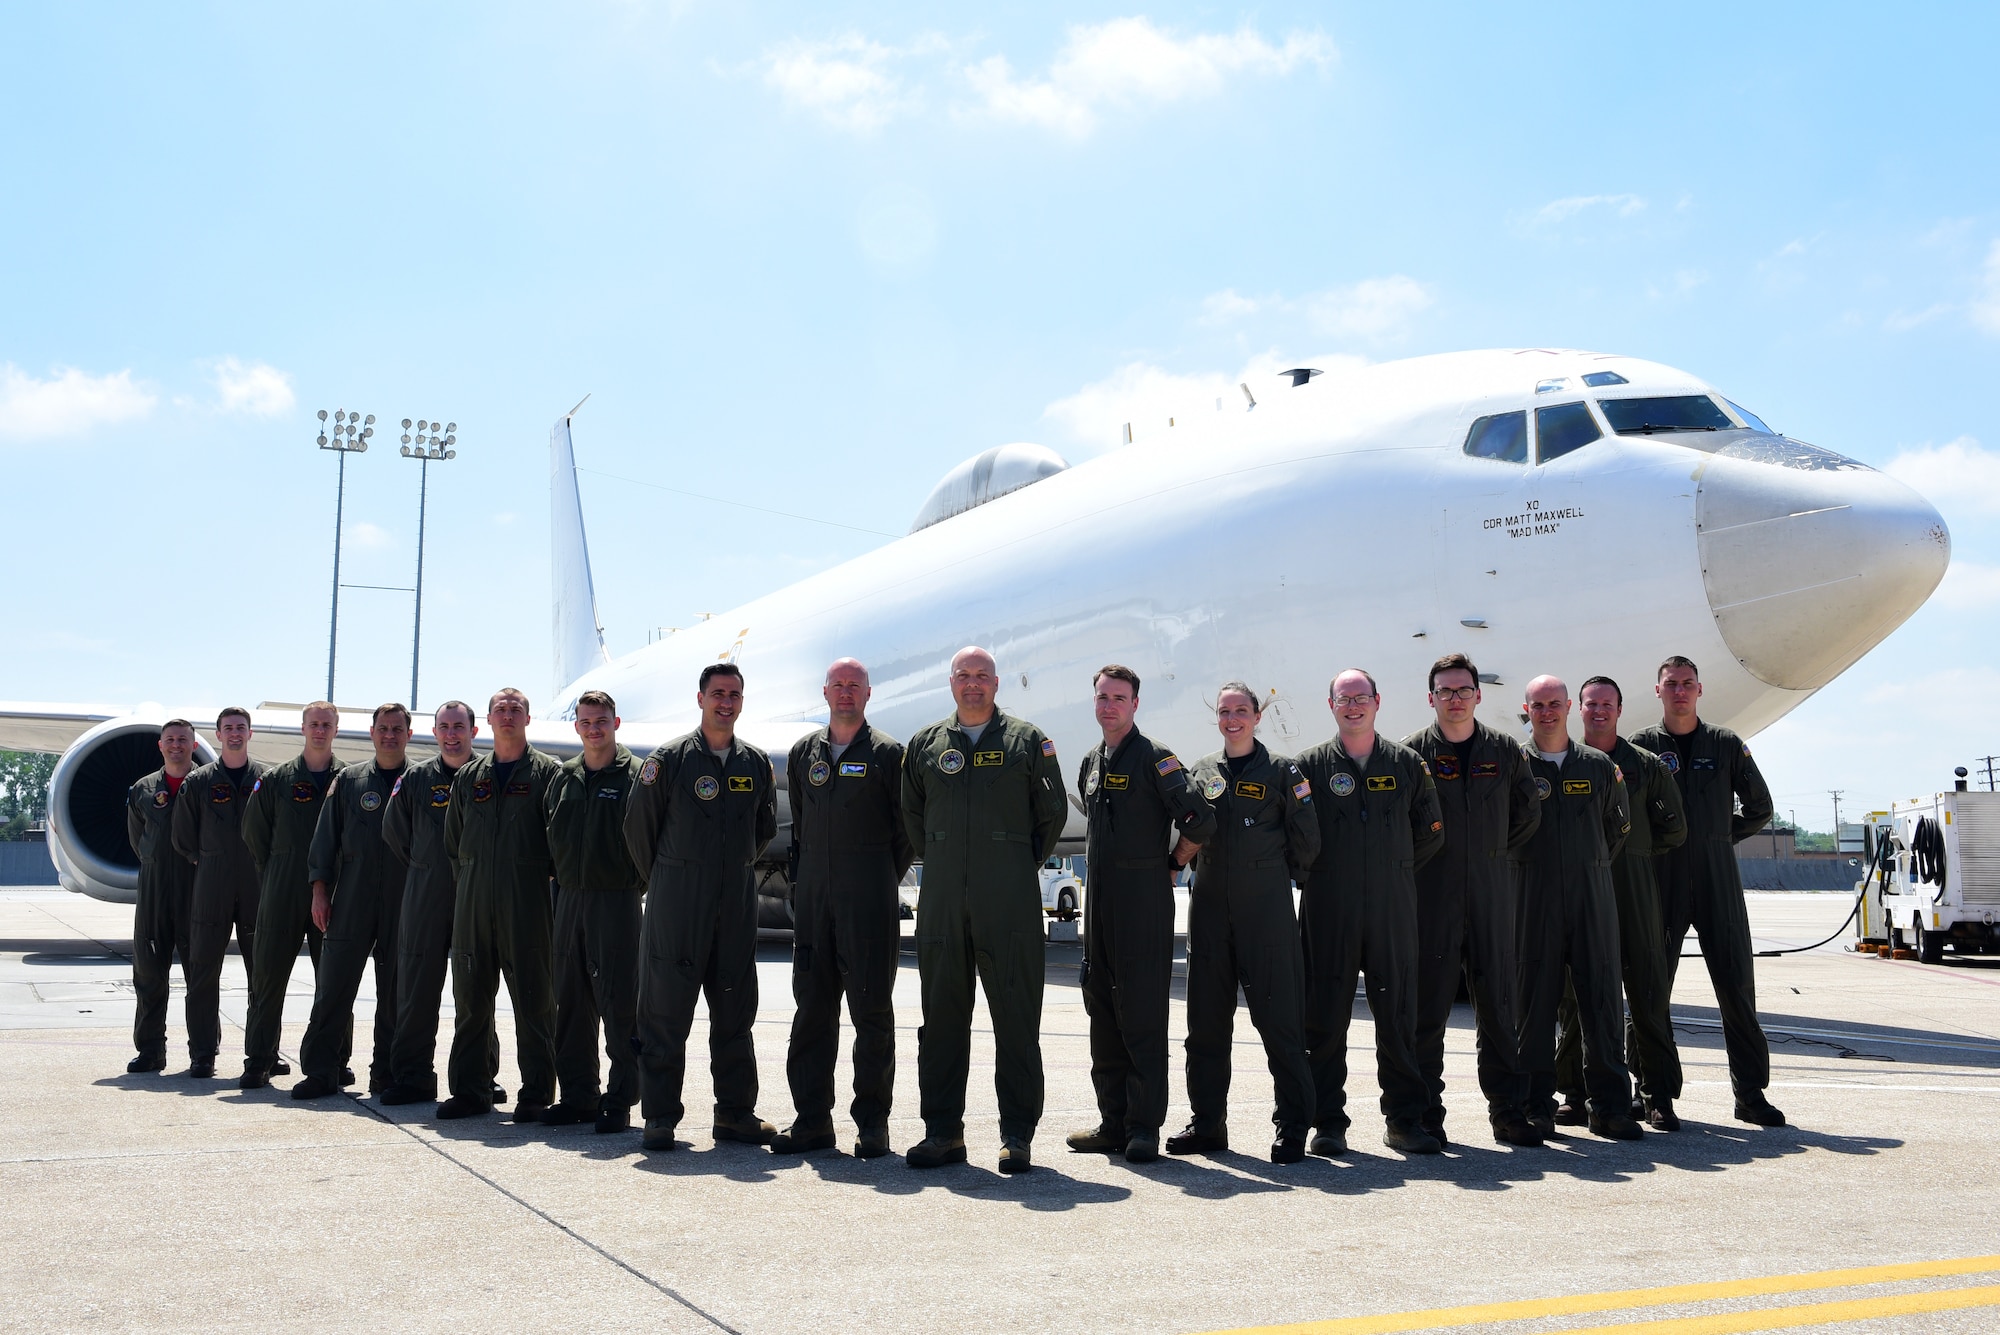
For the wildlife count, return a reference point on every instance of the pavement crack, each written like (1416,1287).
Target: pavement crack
(549,1219)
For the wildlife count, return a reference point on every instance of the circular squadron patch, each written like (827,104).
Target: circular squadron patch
(371,801)
(706,788)
(1342,784)
(1214,786)
(161,798)
(649,771)
(1542,789)
(1090,784)
(819,773)
(952,761)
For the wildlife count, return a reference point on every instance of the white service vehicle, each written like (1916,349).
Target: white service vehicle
(1944,883)
(1062,892)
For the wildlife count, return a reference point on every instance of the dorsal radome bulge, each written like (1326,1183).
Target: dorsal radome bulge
(987,476)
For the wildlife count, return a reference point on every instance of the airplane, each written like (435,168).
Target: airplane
(1540,509)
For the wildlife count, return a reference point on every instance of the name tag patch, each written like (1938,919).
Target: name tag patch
(1703,762)
(853,769)
(1117,781)
(742,783)
(1381,783)
(988,759)
(1253,791)
(610,794)
(1576,787)
(1485,769)
(518,788)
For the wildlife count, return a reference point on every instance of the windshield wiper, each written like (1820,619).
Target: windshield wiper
(1650,427)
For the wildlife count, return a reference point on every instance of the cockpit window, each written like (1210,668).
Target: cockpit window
(1599,379)
(1683,412)
(1563,427)
(1502,436)
(1750,419)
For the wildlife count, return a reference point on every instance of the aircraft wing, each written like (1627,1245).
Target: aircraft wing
(30,725)
(55,726)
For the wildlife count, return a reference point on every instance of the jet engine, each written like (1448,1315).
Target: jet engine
(87,804)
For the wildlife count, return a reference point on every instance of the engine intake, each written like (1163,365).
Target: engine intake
(87,804)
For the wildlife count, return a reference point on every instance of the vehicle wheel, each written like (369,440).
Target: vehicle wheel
(1066,905)
(1929,944)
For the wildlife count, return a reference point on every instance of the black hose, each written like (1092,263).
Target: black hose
(1927,852)
(1883,854)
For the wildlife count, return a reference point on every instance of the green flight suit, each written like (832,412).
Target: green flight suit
(981,816)
(413,828)
(278,825)
(1242,930)
(1700,886)
(1468,899)
(160,916)
(697,825)
(366,878)
(1658,824)
(1378,822)
(1569,927)
(502,925)
(208,831)
(849,852)
(598,924)
(1140,804)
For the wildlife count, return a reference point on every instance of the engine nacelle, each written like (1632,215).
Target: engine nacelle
(87,804)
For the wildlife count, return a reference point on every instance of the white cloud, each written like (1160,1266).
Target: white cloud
(1899,322)
(1374,308)
(255,388)
(1959,474)
(363,534)
(858,84)
(1558,211)
(1129,63)
(848,81)
(1147,396)
(1969,586)
(1985,308)
(68,403)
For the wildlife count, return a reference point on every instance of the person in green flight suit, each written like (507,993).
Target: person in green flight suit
(1658,824)
(597,922)
(357,882)
(278,825)
(166,886)
(502,925)
(1726,801)
(1243,930)
(208,831)
(1146,821)
(983,805)
(844,783)
(1378,823)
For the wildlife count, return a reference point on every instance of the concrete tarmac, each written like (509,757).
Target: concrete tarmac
(162,1203)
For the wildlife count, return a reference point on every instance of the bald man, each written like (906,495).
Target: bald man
(983,803)
(849,853)
(1569,917)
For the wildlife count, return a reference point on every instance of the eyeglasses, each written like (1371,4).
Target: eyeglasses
(1344,701)
(1443,693)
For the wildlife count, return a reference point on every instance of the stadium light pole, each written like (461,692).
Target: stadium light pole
(431,444)
(348,434)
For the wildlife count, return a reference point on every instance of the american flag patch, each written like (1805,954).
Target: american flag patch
(1048,747)
(1302,789)
(1169,765)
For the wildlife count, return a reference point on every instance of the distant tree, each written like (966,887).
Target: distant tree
(24,790)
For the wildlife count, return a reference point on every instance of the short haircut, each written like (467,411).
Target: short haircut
(714,670)
(1451,663)
(1117,672)
(597,700)
(1589,682)
(1256,705)
(514,691)
(452,704)
(176,723)
(232,711)
(1677,661)
(1373,689)
(321,704)
(391,708)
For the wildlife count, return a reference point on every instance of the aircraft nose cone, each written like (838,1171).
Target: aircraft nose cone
(1811,559)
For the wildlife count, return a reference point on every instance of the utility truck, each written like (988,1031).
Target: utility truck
(1937,883)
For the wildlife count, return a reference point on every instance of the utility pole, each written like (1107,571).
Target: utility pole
(349,436)
(435,446)
(1989,771)
(1837,792)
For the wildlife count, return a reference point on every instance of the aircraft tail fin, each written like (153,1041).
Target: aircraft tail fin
(579,635)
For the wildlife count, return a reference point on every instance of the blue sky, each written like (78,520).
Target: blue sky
(813,258)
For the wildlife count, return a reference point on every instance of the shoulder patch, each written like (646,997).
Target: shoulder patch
(1617,772)
(1424,765)
(649,772)
(1048,747)
(1302,789)
(1168,764)
(1671,759)
(397,786)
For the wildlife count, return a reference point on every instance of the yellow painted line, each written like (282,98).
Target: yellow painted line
(1811,1314)
(1442,1317)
